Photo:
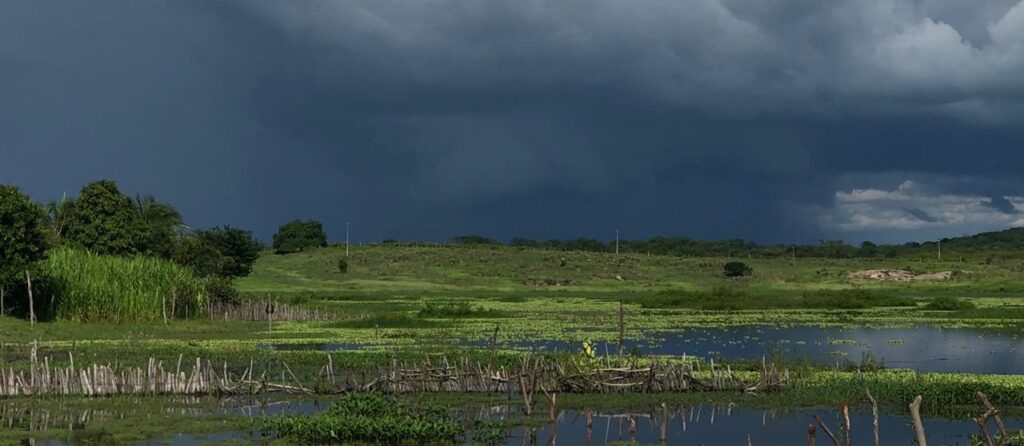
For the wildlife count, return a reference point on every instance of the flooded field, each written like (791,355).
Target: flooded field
(704,424)
(921,348)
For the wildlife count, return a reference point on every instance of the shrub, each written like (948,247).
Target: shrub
(201,255)
(950,304)
(222,289)
(297,235)
(737,269)
(342,266)
(89,287)
(237,246)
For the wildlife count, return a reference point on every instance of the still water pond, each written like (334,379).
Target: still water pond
(691,425)
(922,348)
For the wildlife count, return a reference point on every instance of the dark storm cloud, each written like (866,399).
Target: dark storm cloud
(711,118)
(1001,204)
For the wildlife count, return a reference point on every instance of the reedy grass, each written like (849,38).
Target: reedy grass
(86,287)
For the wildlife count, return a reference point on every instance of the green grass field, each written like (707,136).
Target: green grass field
(403,302)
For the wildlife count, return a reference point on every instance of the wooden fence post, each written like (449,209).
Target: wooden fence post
(915,415)
(31,304)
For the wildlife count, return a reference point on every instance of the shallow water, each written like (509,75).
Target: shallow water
(710,425)
(922,348)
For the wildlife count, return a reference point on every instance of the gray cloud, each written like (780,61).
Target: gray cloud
(534,118)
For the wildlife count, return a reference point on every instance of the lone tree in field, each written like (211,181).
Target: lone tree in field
(297,235)
(238,247)
(737,269)
(23,239)
(104,221)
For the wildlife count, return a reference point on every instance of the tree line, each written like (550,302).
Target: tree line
(1009,242)
(104,221)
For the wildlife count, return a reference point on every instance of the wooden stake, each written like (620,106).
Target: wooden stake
(31,304)
(846,423)
(811,432)
(915,415)
(874,416)
(1003,438)
(828,431)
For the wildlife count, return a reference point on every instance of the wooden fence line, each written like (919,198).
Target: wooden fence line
(258,311)
(534,373)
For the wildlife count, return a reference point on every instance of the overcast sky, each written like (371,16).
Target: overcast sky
(774,120)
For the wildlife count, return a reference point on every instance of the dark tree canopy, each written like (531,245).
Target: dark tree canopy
(201,255)
(23,239)
(297,235)
(737,269)
(238,247)
(160,224)
(103,220)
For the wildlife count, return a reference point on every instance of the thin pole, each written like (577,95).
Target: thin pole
(346,239)
(616,240)
(31,304)
(940,249)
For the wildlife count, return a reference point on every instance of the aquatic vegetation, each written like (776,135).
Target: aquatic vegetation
(372,418)
(950,304)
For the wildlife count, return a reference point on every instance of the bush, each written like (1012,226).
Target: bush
(89,287)
(222,289)
(23,240)
(342,266)
(950,304)
(201,255)
(238,247)
(737,269)
(297,235)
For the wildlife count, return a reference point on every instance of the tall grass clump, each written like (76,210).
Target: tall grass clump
(82,286)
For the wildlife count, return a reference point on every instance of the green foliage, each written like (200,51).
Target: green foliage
(298,235)
(460,309)
(737,269)
(83,286)
(201,255)
(731,299)
(370,418)
(342,266)
(104,221)
(23,240)
(946,303)
(475,240)
(222,289)
(160,225)
(238,248)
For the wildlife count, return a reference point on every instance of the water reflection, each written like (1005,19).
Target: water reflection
(713,425)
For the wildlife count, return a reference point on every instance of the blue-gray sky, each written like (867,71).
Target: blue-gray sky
(776,120)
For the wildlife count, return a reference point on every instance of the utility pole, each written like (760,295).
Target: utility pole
(616,240)
(346,239)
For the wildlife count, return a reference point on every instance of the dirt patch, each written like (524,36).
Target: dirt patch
(898,275)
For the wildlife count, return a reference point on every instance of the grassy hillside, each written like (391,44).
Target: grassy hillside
(390,269)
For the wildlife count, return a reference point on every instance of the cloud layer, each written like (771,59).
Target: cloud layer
(709,118)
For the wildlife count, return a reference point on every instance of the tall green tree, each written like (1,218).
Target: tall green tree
(104,221)
(238,247)
(297,235)
(161,225)
(23,239)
